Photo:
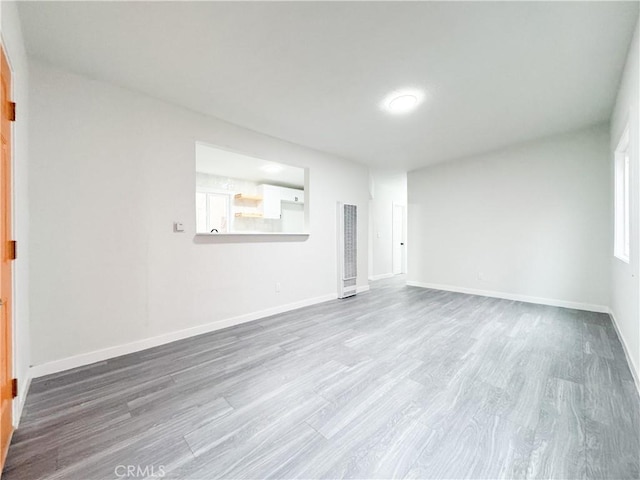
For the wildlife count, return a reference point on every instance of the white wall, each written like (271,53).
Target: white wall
(110,171)
(387,188)
(13,43)
(532,220)
(625,288)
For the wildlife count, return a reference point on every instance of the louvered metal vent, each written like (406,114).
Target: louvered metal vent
(347,249)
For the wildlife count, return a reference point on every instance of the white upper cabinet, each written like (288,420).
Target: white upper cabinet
(270,201)
(272,198)
(291,195)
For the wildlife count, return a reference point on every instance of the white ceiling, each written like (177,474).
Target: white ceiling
(314,73)
(224,163)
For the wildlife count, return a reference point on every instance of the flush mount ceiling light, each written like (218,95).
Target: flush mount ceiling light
(402,101)
(271,168)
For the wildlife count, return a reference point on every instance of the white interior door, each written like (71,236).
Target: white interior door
(398,239)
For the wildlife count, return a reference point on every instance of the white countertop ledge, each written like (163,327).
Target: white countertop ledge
(248,234)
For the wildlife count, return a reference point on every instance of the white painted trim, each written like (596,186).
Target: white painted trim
(18,406)
(362,289)
(634,370)
(512,296)
(118,350)
(373,278)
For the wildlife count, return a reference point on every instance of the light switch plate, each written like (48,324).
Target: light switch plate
(178,227)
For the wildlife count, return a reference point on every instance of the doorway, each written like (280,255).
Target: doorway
(398,240)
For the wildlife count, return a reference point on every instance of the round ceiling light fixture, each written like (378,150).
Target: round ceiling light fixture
(271,168)
(402,101)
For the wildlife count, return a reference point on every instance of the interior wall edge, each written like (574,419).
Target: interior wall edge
(552,302)
(635,372)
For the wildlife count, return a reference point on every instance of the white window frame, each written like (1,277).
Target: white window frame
(622,198)
(207,191)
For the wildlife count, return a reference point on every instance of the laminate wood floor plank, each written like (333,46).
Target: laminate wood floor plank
(288,408)
(399,382)
(364,425)
(477,447)
(168,451)
(263,456)
(597,341)
(349,409)
(388,452)
(559,444)
(611,452)
(168,422)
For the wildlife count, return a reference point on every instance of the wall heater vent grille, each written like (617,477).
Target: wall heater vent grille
(347,249)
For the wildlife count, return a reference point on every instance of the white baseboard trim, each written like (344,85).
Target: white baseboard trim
(18,406)
(373,278)
(118,350)
(634,370)
(362,289)
(511,296)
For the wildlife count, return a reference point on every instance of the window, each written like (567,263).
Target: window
(622,198)
(212,212)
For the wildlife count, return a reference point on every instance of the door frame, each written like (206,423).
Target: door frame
(12,357)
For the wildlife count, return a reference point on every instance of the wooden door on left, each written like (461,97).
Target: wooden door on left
(7,253)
